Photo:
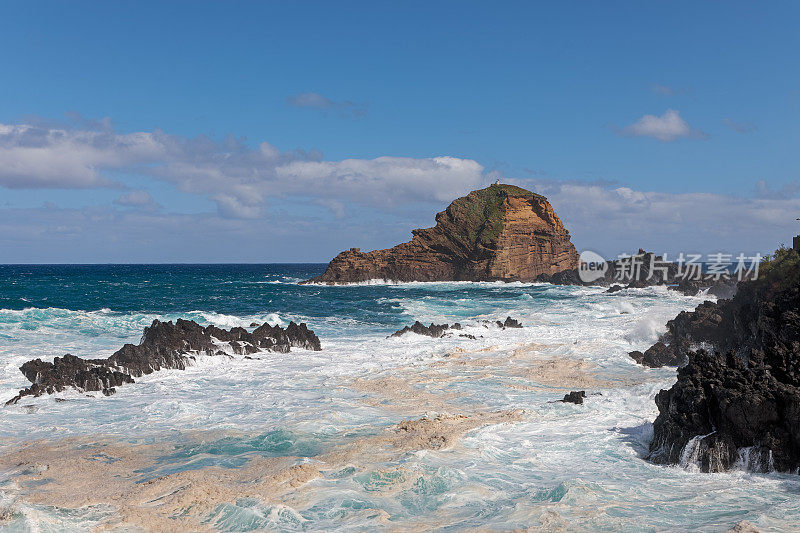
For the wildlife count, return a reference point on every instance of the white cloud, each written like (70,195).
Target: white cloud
(239,178)
(38,157)
(604,218)
(613,219)
(667,128)
(385,180)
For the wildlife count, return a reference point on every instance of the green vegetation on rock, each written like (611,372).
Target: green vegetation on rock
(480,213)
(779,273)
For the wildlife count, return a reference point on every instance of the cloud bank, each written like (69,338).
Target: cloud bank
(279,205)
(608,219)
(240,179)
(612,219)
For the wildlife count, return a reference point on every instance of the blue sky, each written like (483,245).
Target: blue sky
(134,132)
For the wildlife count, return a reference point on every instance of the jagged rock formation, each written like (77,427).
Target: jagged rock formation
(440,330)
(434,330)
(502,232)
(163,345)
(739,398)
(660,354)
(709,326)
(509,323)
(575,397)
(724,288)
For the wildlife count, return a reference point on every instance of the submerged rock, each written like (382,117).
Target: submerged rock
(501,232)
(737,400)
(163,345)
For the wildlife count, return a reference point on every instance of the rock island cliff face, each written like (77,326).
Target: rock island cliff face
(501,232)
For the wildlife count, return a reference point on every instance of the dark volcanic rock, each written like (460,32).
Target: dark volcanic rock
(501,232)
(739,399)
(70,371)
(722,288)
(649,269)
(565,277)
(575,397)
(688,286)
(710,325)
(659,355)
(434,330)
(440,330)
(163,345)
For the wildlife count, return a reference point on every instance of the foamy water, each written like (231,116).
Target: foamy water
(551,465)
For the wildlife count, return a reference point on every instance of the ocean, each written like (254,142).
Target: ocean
(316,440)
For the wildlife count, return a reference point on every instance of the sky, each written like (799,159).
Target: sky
(140,132)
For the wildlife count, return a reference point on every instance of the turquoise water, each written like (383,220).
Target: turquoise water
(557,467)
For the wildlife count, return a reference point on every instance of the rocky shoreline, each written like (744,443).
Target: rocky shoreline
(649,270)
(737,397)
(164,345)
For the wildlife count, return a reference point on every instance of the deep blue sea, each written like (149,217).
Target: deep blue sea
(309,440)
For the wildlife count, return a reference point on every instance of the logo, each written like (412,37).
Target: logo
(591,266)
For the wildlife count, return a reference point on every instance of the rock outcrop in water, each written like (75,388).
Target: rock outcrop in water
(164,345)
(502,232)
(646,269)
(509,323)
(440,330)
(575,397)
(737,398)
(434,330)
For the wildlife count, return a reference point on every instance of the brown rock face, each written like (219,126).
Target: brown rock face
(501,232)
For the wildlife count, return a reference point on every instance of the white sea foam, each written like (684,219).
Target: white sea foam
(561,466)
(440,285)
